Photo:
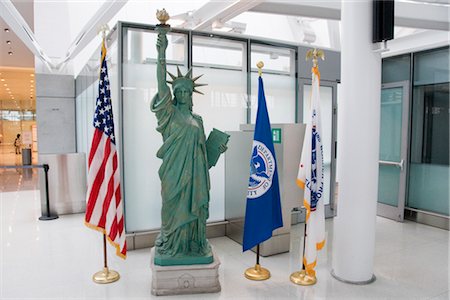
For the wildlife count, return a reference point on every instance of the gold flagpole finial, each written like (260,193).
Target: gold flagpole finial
(314,54)
(260,65)
(103,29)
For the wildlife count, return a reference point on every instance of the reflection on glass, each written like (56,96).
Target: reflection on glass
(429,169)
(279,82)
(326,111)
(218,52)
(276,59)
(395,69)
(140,47)
(390,144)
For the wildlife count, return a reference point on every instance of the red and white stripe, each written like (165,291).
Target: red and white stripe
(104,210)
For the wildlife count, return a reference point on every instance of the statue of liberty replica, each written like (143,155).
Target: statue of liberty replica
(186,158)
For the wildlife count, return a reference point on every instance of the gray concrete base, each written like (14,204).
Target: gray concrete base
(187,279)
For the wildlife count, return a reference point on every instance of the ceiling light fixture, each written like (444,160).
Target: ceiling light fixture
(2,79)
(6,30)
(8,42)
(10,53)
(32,75)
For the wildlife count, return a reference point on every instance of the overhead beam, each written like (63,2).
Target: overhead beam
(90,30)
(17,23)
(407,14)
(221,11)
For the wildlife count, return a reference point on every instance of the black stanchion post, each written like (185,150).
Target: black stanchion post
(48,216)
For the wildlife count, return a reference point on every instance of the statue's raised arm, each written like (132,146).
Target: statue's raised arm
(161,69)
(161,103)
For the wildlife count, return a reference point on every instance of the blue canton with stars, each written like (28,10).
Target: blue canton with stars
(103,117)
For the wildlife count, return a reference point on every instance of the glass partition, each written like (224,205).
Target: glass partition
(279,82)
(429,161)
(87,92)
(223,61)
(224,103)
(395,69)
(141,141)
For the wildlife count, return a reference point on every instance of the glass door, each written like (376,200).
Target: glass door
(393,150)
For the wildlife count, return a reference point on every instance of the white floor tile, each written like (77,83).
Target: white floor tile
(56,260)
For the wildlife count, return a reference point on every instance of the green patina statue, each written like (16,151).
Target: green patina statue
(184,172)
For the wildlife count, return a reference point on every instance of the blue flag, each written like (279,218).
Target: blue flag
(263,212)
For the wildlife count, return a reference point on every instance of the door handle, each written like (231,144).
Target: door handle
(393,163)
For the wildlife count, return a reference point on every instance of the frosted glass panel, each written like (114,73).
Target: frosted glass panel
(429,170)
(223,107)
(141,141)
(280,97)
(388,185)
(429,188)
(326,110)
(396,69)
(280,60)
(218,52)
(391,124)
(141,47)
(390,145)
(432,67)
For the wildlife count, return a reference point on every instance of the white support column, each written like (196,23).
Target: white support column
(358,146)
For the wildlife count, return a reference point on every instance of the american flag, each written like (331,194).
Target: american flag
(104,209)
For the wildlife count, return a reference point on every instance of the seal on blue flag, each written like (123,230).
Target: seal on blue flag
(262,168)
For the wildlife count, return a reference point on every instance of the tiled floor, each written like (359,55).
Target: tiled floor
(56,259)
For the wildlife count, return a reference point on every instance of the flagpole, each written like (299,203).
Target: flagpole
(302,277)
(257,272)
(106,275)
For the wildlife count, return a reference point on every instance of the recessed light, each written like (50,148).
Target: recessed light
(6,30)
(5,84)
(10,53)
(32,75)
(31,80)
(8,42)
(2,79)
(7,89)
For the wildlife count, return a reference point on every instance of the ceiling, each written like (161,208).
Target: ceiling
(17,88)
(22,56)
(15,69)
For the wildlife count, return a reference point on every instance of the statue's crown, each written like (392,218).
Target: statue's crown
(186,80)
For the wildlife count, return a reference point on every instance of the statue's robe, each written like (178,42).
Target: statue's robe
(184,179)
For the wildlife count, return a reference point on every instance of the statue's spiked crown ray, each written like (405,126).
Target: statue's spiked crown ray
(185,80)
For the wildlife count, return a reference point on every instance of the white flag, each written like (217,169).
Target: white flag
(310,179)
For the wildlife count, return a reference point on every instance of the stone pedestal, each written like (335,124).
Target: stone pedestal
(186,279)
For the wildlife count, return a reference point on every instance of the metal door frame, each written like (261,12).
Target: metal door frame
(385,210)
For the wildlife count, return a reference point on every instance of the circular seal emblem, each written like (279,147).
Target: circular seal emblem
(262,168)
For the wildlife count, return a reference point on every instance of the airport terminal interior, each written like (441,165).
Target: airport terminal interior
(384,105)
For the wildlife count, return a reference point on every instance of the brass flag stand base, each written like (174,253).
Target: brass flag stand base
(301,278)
(257,273)
(106,276)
